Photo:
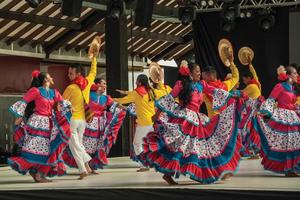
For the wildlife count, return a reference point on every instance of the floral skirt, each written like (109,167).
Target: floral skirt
(189,143)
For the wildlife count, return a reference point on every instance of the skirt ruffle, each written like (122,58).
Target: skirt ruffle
(280,142)
(98,138)
(204,153)
(247,112)
(42,149)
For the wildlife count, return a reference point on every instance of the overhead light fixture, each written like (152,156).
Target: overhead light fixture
(267,19)
(211,2)
(33,3)
(115,9)
(230,11)
(242,15)
(186,14)
(203,3)
(267,22)
(248,14)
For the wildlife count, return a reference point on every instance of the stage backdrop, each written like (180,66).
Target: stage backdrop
(271,47)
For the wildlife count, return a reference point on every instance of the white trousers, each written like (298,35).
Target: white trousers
(76,146)
(140,133)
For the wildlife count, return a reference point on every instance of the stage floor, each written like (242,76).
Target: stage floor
(121,173)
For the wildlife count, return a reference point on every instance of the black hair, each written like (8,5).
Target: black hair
(289,69)
(247,74)
(210,70)
(185,94)
(78,68)
(98,80)
(36,82)
(143,79)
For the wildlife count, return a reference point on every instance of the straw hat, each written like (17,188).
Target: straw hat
(225,49)
(243,55)
(94,47)
(155,72)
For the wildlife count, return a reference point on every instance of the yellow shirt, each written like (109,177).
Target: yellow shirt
(298,100)
(230,83)
(253,90)
(74,94)
(144,107)
(162,90)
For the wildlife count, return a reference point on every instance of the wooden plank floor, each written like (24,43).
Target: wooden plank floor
(121,173)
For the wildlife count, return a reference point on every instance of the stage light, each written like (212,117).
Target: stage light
(33,3)
(242,15)
(203,3)
(227,27)
(229,14)
(248,14)
(266,22)
(211,2)
(115,9)
(186,14)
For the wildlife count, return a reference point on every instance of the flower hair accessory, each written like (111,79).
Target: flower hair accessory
(281,72)
(184,70)
(35,73)
(94,87)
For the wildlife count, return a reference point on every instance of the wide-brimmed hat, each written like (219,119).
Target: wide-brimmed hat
(225,48)
(94,47)
(155,72)
(243,55)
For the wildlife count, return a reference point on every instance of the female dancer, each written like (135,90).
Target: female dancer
(188,142)
(278,125)
(251,101)
(102,131)
(44,131)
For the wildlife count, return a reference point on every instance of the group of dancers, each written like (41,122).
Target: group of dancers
(172,136)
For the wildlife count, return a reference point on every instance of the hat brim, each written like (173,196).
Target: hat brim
(156,73)
(223,47)
(243,54)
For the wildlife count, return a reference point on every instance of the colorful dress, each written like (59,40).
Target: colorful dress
(247,109)
(188,142)
(280,130)
(101,133)
(44,136)
(251,101)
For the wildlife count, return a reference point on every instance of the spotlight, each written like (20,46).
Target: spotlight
(242,15)
(203,3)
(186,14)
(266,22)
(211,2)
(227,27)
(33,3)
(229,14)
(248,14)
(115,9)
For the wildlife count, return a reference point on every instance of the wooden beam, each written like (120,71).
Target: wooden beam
(187,38)
(50,21)
(85,25)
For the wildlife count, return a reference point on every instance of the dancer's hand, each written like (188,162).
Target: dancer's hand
(122,107)
(59,107)
(249,60)
(122,91)
(18,121)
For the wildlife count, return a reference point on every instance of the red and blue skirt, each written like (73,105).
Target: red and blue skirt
(189,143)
(247,112)
(43,139)
(280,138)
(99,136)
